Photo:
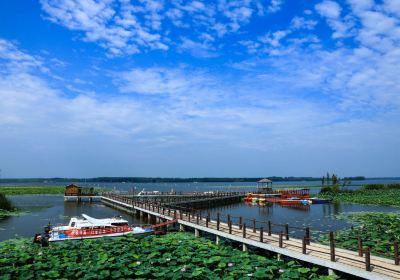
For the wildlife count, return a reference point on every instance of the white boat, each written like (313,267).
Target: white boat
(88,227)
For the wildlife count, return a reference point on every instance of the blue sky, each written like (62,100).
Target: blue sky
(199,88)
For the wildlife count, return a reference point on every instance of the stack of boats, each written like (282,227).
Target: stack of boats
(285,197)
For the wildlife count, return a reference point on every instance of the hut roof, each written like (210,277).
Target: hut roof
(72,186)
(265,180)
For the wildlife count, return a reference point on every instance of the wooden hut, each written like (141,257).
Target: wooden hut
(73,190)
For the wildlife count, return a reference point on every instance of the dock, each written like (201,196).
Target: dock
(262,235)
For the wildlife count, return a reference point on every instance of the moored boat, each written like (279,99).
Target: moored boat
(88,227)
(316,200)
(295,201)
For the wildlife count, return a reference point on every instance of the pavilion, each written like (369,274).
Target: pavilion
(264,186)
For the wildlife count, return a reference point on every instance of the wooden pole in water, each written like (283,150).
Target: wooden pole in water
(308,238)
(244,230)
(287,231)
(332,246)
(230,227)
(304,245)
(218,221)
(269,228)
(396,253)
(261,234)
(367,259)
(254,225)
(240,222)
(360,249)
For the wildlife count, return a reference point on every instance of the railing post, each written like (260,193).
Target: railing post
(163,211)
(360,248)
(229,218)
(261,234)
(207,219)
(396,253)
(197,218)
(244,230)
(180,214)
(189,217)
(367,259)
(240,222)
(174,214)
(304,245)
(230,227)
(218,221)
(254,225)
(332,246)
(269,228)
(287,231)
(281,239)
(308,237)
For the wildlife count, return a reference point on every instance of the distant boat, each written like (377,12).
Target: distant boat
(316,200)
(295,201)
(88,228)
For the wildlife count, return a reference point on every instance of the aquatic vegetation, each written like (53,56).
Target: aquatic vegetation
(5,203)
(9,213)
(174,256)
(390,197)
(393,186)
(21,190)
(377,230)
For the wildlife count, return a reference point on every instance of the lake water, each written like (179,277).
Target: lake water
(40,209)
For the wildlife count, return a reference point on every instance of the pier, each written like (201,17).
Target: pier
(265,235)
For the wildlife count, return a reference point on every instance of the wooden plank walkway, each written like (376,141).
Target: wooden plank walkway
(344,260)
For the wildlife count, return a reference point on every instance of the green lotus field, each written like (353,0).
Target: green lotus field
(173,256)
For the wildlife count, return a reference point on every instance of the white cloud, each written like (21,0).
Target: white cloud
(392,7)
(329,9)
(198,114)
(118,31)
(123,27)
(204,49)
(361,5)
(302,23)
(10,53)
(275,6)
(153,81)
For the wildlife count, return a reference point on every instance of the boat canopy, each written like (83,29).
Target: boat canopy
(97,222)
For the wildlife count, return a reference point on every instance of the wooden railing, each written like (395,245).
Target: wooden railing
(263,229)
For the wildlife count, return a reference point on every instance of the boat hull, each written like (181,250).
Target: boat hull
(320,201)
(55,237)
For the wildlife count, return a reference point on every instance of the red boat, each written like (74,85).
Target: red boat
(289,202)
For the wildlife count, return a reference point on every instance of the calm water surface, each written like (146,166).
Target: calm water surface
(40,209)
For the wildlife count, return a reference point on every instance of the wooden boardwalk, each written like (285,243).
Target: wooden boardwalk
(366,266)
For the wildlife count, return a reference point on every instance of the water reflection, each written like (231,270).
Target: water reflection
(319,217)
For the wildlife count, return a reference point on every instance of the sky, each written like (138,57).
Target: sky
(241,88)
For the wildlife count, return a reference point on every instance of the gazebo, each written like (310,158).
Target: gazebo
(264,186)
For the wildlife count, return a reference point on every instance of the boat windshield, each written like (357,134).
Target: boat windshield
(119,224)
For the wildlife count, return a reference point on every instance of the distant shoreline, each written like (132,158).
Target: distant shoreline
(173,180)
